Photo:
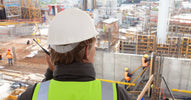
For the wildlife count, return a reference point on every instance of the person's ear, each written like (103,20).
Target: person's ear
(87,52)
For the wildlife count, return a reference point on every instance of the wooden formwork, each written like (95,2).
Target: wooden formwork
(189,51)
(30,13)
(30,9)
(180,29)
(163,49)
(145,44)
(173,46)
(127,47)
(184,46)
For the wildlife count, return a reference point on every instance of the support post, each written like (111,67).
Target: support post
(168,88)
(14,54)
(151,70)
(145,88)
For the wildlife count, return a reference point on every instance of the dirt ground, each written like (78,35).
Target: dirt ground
(36,64)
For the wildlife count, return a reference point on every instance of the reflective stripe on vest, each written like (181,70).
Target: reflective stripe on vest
(108,91)
(43,91)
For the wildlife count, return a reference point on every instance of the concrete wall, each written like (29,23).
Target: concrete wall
(23,30)
(111,66)
(178,75)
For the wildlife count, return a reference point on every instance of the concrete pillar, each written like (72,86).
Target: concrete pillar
(162,20)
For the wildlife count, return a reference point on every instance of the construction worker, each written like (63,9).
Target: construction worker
(127,76)
(145,61)
(28,42)
(72,39)
(9,57)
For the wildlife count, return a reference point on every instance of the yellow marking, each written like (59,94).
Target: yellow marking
(184,91)
(110,81)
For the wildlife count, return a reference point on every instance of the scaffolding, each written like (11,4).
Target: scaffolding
(13,9)
(25,9)
(30,9)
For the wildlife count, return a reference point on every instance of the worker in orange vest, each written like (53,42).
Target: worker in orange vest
(145,61)
(127,76)
(10,57)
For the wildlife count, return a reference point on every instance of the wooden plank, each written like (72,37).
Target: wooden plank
(145,88)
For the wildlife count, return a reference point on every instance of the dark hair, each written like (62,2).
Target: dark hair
(75,55)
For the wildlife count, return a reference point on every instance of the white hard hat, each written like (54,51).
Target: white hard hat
(70,26)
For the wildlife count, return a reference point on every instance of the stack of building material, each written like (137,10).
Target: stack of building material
(13,9)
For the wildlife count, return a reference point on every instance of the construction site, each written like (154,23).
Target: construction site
(158,31)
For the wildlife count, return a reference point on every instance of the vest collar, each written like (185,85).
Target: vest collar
(74,72)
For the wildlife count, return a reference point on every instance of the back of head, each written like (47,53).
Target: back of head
(69,34)
(75,55)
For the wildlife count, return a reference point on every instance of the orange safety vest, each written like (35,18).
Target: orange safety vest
(8,53)
(127,78)
(9,56)
(144,64)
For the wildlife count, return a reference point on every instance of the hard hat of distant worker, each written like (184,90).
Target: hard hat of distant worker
(146,56)
(151,85)
(126,69)
(37,40)
(70,27)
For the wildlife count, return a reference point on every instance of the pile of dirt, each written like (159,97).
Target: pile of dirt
(36,64)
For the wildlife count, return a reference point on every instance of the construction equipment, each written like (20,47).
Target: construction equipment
(48,53)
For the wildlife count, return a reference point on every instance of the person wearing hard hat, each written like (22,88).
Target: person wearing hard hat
(127,76)
(9,57)
(145,61)
(72,39)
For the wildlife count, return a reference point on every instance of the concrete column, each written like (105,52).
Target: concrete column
(162,20)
